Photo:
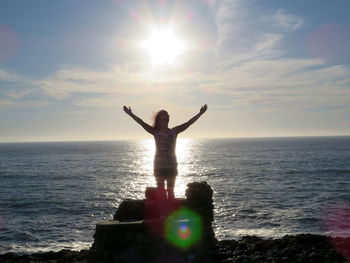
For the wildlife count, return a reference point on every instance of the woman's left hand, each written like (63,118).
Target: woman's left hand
(203,109)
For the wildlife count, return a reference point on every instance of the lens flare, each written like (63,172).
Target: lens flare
(337,222)
(183,228)
(8,43)
(330,42)
(184,232)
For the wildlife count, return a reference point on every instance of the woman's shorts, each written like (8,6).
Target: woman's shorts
(165,172)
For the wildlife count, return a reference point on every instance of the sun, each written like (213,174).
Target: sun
(163,47)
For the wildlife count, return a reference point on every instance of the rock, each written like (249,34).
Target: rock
(142,230)
(303,248)
(63,256)
(130,210)
(199,191)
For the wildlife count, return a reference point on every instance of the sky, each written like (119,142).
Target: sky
(265,68)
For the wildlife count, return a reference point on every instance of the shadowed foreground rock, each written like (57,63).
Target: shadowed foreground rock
(159,230)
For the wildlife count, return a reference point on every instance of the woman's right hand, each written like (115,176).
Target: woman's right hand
(127,110)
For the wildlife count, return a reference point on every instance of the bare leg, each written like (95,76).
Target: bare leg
(160,182)
(161,195)
(170,187)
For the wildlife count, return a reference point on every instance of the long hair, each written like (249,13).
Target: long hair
(156,119)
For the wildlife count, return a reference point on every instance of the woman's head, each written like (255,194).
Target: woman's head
(161,118)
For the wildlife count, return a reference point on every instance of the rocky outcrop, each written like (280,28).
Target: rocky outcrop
(157,229)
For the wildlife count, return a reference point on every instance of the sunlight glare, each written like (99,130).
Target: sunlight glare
(184,158)
(148,149)
(163,47)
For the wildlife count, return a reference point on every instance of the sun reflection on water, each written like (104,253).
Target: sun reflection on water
(184,158)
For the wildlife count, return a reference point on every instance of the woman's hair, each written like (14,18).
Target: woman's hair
(156,119)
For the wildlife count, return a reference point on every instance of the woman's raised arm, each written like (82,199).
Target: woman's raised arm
(144,125)
(184,126)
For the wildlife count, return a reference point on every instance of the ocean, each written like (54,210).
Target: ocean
(52,194)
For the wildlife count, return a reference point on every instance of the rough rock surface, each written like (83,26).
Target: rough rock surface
(303,248)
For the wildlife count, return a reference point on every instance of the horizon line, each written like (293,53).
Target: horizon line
(183,138)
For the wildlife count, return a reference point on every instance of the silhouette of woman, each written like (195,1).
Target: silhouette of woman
(165,162)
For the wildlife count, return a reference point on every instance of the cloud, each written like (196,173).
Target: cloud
(20,91)
(252,73)
(288,21)
(285,85)
(242,35)
(4,103)
(11,88)
(100,102)
(68,80)
(260,86)
(11,77)
(119,81)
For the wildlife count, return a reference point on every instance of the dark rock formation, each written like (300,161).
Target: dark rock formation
(130,210)
(159,230)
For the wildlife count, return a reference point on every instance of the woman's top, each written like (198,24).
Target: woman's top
(165,156)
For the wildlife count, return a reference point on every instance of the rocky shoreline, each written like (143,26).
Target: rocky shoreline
(305,248)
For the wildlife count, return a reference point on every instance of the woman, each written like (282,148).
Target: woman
(165,163)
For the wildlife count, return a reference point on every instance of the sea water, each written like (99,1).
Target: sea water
(52,194)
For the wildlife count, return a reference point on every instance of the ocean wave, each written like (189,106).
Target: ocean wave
(44,247)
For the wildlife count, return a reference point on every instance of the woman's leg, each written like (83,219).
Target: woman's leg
(160,182)
(170,184)
(161,194)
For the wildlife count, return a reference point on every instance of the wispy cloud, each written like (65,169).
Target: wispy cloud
(12,88)
(65,81)
(285,85)
(242,35)
(269,85)
(20,91)
(288,21)
(4,103)
(12,77)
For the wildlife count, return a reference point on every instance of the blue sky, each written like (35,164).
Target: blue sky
(265,68)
